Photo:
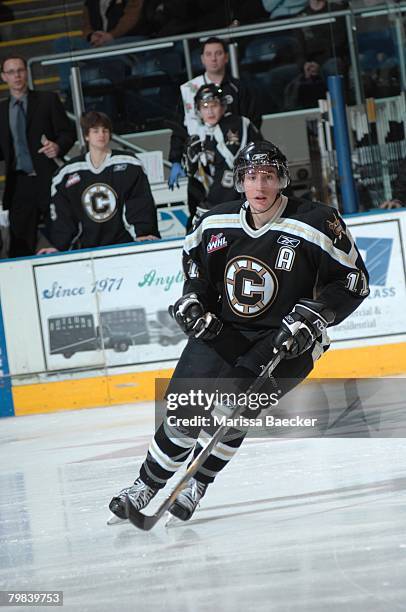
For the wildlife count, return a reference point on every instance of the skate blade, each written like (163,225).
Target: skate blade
(179,512)
(116,520)
(172,521)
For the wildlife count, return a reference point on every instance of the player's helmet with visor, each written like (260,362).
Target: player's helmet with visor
(260,157)
(208,93)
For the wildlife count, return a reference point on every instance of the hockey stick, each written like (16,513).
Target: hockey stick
(147,522)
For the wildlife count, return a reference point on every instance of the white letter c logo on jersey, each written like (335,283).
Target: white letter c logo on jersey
(251,286)
(100,202)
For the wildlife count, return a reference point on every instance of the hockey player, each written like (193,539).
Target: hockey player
(210,154)
(102,197)
(241,100)
(269,273)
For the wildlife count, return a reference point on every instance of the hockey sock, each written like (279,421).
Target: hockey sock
(220,456)
(167,452)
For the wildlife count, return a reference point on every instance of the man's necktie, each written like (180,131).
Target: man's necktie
(23,157)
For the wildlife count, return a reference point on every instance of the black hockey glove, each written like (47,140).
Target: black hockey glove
(301,327)
(191,317)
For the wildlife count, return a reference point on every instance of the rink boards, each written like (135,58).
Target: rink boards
(91,328)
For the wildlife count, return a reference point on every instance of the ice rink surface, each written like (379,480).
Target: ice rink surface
(315,525)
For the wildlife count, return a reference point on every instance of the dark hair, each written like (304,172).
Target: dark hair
(11,56)
(213,40)
(94,119)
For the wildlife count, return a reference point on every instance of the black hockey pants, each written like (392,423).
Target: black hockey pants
(200,366)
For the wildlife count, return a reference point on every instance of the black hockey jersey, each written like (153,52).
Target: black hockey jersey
(241,100)
(211,154)
(92,207)
(251,278)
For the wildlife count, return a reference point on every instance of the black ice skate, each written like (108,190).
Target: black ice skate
(188,499)
(140,495)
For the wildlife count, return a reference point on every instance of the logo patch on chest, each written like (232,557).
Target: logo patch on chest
(99,202)
(120,167)
(251,286)
(216,242)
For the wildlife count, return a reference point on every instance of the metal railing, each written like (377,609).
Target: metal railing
(394,11)
(390,8)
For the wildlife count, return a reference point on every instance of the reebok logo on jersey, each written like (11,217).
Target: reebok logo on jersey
(72,180)
(216,242)
(120,167)
(287,241)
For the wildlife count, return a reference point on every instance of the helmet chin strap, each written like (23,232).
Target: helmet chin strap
(269,207)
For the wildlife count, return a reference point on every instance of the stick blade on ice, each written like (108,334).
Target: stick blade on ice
(138,519)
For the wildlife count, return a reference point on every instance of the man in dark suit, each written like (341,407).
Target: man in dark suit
(34,132)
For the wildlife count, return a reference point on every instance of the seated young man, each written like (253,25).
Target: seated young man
(102,197)
(284,270)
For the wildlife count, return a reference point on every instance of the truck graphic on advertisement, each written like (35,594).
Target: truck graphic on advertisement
(118,329)
(72,333)
(165,330)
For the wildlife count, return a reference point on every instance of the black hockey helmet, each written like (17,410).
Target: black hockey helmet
(257,155)
(207,93)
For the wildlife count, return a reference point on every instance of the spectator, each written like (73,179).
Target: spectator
(105,20)
(212,14)
(102,197)
(170,17)
(211,152)
(240,101)
(398,189)
(306,89)
(325,44)
(248,12)
(317,43)
(281,9)
(34,133)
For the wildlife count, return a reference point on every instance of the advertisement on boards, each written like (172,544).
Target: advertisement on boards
(172,221)
(111,310)
(382,313)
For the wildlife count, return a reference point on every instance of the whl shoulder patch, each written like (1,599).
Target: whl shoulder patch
(216,242)
(72,180)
